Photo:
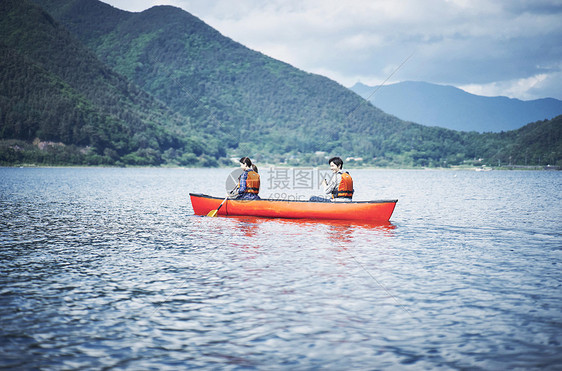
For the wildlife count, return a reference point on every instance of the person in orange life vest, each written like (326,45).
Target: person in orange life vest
(340,186)
(249,182)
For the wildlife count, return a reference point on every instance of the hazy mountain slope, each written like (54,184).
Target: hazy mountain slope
(449,107)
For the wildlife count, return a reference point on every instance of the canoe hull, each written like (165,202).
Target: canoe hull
(379,211)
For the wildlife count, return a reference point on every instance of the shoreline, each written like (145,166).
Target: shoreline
(267,166)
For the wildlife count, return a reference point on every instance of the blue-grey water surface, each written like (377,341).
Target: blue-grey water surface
(108,268)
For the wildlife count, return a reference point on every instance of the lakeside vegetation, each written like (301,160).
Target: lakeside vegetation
(83,83)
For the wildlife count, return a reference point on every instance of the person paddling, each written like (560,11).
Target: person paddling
(249,182)
(340,186)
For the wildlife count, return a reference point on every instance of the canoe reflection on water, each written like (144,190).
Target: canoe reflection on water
(253,232)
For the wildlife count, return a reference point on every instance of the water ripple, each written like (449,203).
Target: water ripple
(108,268)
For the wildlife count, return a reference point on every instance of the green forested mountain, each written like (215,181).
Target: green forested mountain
(261,103)
(53,89)
(161,86)
(536,143)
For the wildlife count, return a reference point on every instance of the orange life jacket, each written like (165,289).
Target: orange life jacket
(253,182)
(345,188)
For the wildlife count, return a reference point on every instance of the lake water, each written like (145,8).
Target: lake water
(108,268)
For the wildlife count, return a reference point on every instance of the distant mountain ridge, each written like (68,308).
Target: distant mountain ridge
(452,108)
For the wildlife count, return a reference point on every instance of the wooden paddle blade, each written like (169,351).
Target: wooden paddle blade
(212,213)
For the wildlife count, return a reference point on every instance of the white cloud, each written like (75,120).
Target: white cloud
(497,46)
(549,87)
(529,88)
(139,5)
(518,88)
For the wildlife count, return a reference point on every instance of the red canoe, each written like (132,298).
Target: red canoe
(379,211)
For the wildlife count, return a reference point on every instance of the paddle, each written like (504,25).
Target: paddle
(214,213)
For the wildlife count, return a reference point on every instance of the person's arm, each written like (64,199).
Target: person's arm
(243,186)
(233,192)
(333,184)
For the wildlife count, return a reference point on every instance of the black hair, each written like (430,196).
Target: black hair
(246,160)
(337,161)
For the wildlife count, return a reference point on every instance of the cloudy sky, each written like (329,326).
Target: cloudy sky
(487,47)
